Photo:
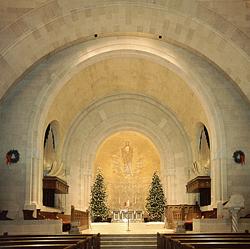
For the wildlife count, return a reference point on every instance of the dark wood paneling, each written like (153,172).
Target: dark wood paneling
(58,185)
(200,182)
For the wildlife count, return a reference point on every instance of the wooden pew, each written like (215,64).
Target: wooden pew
(219,245)
(171,241)
(39,241)
(81,218)
(213,242)
(35,245)
(210,245)
(89,243)
(58,237)
(82,244)
(51,241)
(66,219)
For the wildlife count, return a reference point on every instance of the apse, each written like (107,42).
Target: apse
(127,160)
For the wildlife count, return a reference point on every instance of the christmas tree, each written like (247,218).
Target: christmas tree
(98,208)
(155,202)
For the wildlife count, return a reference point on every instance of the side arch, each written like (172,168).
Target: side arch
(48,78)
(117,113)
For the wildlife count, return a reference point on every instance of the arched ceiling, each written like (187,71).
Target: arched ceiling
(52,25)
(209,89)
(50,76)
(127,74)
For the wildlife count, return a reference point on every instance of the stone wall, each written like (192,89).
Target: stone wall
(218,225)
(25,227)
(52,67)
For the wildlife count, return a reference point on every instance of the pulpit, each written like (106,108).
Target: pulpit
(53,185)
(202,185)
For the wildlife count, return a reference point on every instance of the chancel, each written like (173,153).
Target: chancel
(149,97)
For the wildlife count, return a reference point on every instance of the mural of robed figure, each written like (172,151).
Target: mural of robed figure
(127,156)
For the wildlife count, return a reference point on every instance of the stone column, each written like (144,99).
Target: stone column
(170,190)
(86,190)
(219,210)
(164,184)
(32,186)
(216,182)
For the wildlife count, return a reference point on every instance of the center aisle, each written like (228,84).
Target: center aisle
(132,241)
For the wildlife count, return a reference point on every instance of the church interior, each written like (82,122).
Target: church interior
(125,89)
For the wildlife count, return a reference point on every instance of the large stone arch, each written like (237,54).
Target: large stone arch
(48,77)
(127,112)
(56,25)
(196,72)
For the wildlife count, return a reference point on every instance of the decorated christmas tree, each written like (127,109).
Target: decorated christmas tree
(155,202)
(98,208)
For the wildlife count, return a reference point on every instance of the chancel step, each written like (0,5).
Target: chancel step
(132,241)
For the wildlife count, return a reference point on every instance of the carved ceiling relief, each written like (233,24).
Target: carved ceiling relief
(127,161)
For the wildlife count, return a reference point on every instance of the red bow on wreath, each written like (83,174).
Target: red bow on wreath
(239,157)
(12,156)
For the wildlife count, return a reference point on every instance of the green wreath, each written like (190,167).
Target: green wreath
(239,157)
(12,156)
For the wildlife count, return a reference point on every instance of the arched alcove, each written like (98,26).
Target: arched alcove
(51,144)
(127,161)
(53,185)
(49,77)
(202,153)
(115,114)
(201,167)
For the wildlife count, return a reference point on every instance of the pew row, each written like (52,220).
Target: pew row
(77,217)
(55,241)
(188,241)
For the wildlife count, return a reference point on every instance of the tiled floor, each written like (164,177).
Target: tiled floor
(123,228)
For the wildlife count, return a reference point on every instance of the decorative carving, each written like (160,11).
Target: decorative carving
(127,155)
(52,165)
(177,213)
(49,150)
(201,167)
(200,182)
(127,160)
(55,183)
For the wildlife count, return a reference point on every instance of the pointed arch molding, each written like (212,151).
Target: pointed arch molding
(127,112)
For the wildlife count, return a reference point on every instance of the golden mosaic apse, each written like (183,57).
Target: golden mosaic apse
(127,160)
